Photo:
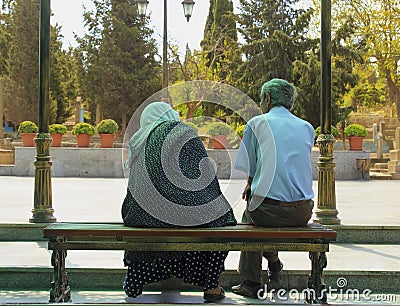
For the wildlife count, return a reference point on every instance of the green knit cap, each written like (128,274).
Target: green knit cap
(282,93)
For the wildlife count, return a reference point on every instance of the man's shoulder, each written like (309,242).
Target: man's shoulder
(305,122)
(256,119)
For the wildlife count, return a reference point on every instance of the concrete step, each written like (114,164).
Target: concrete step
(379,176)
(193,297)
(377,170)
(27,265)
(381,166)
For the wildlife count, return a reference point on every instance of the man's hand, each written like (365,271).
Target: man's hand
(246,192)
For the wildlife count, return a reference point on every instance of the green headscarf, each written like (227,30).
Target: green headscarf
(282,93)
(153,115)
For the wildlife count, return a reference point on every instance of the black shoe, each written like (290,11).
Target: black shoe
(211,298)
(275,272)
(246,290)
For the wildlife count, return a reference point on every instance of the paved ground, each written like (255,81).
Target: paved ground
(190,298)
(96,199)
(78,199)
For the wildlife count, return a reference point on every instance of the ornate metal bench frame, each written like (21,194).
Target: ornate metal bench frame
(314,239)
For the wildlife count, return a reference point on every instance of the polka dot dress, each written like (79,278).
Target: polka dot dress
(196,268)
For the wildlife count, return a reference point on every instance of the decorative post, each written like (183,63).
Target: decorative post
(326,211)
(43,210)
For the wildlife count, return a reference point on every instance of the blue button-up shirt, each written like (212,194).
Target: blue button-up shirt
(276,152)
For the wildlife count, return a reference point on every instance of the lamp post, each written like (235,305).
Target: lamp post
(42,211)
(326,211)
(187,10)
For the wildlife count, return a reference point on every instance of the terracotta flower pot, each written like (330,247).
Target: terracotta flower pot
(56,140)
(83,140)
(219,142)
(355,143)
(107,140)
(27,139)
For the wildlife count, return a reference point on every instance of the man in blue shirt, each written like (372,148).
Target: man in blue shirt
(275,154)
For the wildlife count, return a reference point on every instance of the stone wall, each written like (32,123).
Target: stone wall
(107,163)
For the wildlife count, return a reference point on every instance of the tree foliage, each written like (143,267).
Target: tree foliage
(21,57)
(117,56)
(21,101)
(5,37)
(220,48)
(377,22)
(59,78)
(275,36)
(306,75)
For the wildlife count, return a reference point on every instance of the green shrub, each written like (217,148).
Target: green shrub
(218,128)
(57,128)
(355,130)
(107,126)
(83,128)
(240,130)
(334,131)
(28,127)
(194,126)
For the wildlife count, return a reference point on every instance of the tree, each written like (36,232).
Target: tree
(275,36)
(220,47)
(5,37)
(59,73)
(23,66)
(306,75)
(220,35)
(118,56)
(22,93)
(378,22)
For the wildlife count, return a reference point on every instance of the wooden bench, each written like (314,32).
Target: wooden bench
(314,239)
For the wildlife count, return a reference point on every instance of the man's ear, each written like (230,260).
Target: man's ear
(265,102)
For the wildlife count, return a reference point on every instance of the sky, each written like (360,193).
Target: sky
(68,14)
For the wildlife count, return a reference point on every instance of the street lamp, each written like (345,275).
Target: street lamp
(142,7)
(187,10)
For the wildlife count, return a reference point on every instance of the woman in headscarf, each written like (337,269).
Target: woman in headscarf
(172,183)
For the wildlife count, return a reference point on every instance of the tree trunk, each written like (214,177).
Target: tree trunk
(98,113)
(191,109)
(394,93)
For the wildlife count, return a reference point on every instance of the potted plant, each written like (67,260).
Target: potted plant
(83,132)
(240,130)
(28,130)
(56,131)
(355,133)
(334,131)
(218,131)
(107,129)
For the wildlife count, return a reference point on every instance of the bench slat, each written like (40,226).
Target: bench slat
(314,231)
(185,246)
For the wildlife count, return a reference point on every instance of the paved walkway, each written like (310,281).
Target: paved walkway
(84,199)
(96,199)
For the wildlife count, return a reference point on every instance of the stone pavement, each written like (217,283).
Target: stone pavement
(359,202)
(95,199)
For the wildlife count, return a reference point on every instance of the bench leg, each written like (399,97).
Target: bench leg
(60,291)
(316,286)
